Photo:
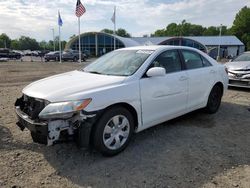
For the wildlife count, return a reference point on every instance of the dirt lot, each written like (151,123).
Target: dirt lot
(196,150)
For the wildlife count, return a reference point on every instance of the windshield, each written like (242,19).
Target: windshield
(119,63)
(243,57)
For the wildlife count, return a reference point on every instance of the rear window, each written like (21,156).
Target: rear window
(192,59)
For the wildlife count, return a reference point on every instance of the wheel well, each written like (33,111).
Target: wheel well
(220,85)
(129,108)
(124,105)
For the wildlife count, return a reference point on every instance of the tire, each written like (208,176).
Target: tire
(214,100)
(116,124)
(75,59)
(56,59)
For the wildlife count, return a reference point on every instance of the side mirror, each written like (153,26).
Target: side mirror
(156,71)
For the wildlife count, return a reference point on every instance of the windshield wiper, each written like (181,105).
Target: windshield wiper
(94,72)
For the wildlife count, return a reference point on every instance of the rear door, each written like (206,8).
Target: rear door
(201,76)
(164,97)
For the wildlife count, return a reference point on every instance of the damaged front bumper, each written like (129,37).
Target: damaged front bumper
(38,128)
(49,132)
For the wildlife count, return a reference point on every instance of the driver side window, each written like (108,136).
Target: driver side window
(169,60)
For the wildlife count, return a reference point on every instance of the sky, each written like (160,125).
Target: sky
(37,18)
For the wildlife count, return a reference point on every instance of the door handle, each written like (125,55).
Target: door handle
(182,78)
(212,71)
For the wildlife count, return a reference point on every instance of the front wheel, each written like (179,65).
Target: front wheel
(214,100)
(113,131)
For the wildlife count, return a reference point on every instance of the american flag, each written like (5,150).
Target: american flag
(80,9)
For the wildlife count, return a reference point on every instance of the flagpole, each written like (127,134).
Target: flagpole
(79,40)
(114,26)
(60,44)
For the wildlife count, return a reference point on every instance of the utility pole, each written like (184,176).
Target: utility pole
(218,54)
(53,33)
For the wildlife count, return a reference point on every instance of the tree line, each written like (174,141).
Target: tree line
(240,28)
(27,43)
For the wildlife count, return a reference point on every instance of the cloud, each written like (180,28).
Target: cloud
(37,18)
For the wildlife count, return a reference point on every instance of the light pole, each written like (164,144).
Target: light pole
(53,33)
(218,54)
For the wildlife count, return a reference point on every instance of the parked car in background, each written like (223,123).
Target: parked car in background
(239,71)
(27,52)
(55,56)
(121,93)
(43,52)
(7,53)
(86,53)
(72,55)
(19,51)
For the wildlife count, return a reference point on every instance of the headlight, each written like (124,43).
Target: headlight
(63,109)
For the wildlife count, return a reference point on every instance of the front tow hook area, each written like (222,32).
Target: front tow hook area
(20,125)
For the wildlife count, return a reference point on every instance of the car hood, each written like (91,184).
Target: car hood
(69,86)
(236,65)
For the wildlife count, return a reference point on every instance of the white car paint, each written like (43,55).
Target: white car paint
(155,99)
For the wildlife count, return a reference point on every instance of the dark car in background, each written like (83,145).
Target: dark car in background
(55,56)
(72,55)
(7,53)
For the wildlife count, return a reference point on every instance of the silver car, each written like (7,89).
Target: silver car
(239,71)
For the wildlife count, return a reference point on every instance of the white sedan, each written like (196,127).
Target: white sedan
(121,93)
(239,71)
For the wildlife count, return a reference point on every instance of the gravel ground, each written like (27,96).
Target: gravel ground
(195,150)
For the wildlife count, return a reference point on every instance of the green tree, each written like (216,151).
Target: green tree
(241,26)
(28,43)
(196,30)
(109,31)
(159,33)
(15,44)
(211,31)
(120,32)
(184,28)
(171,30)
(5,41)
(43,45)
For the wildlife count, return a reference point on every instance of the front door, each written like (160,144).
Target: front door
(164,97)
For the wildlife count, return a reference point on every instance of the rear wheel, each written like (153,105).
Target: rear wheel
(113,131)
(214,100)
(75,59)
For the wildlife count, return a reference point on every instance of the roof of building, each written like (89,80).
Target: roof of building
(205,40)
(142,41)
(216,40)
(127,41)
